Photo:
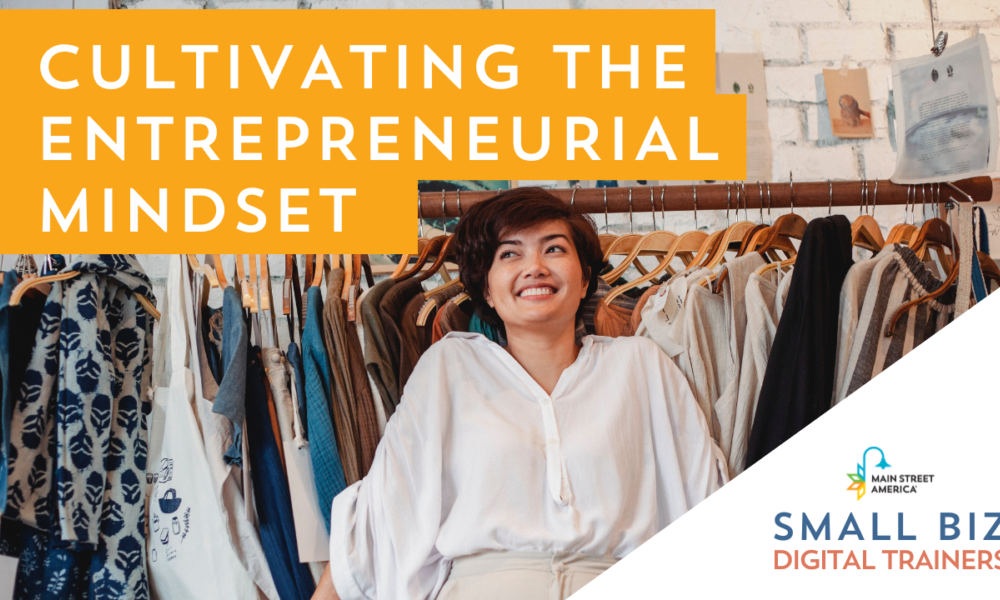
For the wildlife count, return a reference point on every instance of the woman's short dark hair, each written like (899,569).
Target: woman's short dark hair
(479,232)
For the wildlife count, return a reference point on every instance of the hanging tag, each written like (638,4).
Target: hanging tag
(843,65)
(670,299)
(8,573)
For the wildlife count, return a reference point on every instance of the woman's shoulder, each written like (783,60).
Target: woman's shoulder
(633,344)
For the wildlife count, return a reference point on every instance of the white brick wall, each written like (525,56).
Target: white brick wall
(798,39)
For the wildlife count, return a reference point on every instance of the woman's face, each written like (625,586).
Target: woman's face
(536,279)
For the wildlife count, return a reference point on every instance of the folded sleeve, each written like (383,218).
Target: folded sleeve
(384,528)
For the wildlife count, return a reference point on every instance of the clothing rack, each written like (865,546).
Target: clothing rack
(713,196)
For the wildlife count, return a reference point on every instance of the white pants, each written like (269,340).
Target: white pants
(521,575)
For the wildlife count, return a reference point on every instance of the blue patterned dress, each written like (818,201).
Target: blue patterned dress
(76,495)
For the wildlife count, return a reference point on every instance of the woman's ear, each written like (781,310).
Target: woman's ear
(487,297)
(586,282)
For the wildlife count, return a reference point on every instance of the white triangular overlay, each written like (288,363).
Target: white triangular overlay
(936,411)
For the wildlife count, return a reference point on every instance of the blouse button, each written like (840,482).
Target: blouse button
(545,400)
(553,442)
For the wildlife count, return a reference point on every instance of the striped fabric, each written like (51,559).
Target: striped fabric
(898,278)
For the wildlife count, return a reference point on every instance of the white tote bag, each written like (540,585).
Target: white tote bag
(189,553)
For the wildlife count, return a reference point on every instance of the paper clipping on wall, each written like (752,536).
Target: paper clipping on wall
(946,115)
(849,101)
(744,74)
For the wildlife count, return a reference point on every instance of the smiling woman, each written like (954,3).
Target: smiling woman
(527,470)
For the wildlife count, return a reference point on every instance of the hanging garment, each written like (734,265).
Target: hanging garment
(611,320)
(298,375)
(378,357)
(363,406)
(189,550)
(589,310)
(327,468)
(899,276)
(963,299)
(371,415)
(522,575)
(345,419)
(852,297)
(80,421)
(734,288)
(18,325)
(270,489)
(765,298)
(413,340)
(280,385)
(798,382)
(451,317)
(487,461)
(217,435)
(636,319)
(391,312)
(686,318)
(231,402)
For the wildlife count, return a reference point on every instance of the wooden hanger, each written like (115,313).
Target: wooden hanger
(265,279)
(733,235)
(220,273)
(671,246)
(254,283)
(901,234)
(606,240)
(35,282)
(352,278)
(317,275)
(208,272)
(865,231)
(935,234)
(623,245)
(241,276)
(708,248)
(990,270)
(748,237)
(432,248)
(932,231)
(446,251)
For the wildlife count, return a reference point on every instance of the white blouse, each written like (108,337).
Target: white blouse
(477,457)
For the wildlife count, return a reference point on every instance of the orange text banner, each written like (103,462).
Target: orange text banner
(306,131)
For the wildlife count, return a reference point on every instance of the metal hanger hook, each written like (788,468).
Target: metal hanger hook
(652,208)
(743,188)
(829,210)
(630,219)
(769,220)
(791,190)
(760,190)
(572,198)
(420,215)
(728,198)
(444,217)
(458,198)
(663,213)
(864,197)
(694,190)
(875,198)
(607,227)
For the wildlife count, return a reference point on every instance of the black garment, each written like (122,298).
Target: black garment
(798,382)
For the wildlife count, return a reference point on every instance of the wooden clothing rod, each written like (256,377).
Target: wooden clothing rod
(811,194)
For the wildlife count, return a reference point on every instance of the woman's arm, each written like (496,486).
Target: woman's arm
(325,589)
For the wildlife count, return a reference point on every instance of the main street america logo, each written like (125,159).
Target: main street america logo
(858,479)
(883,483)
